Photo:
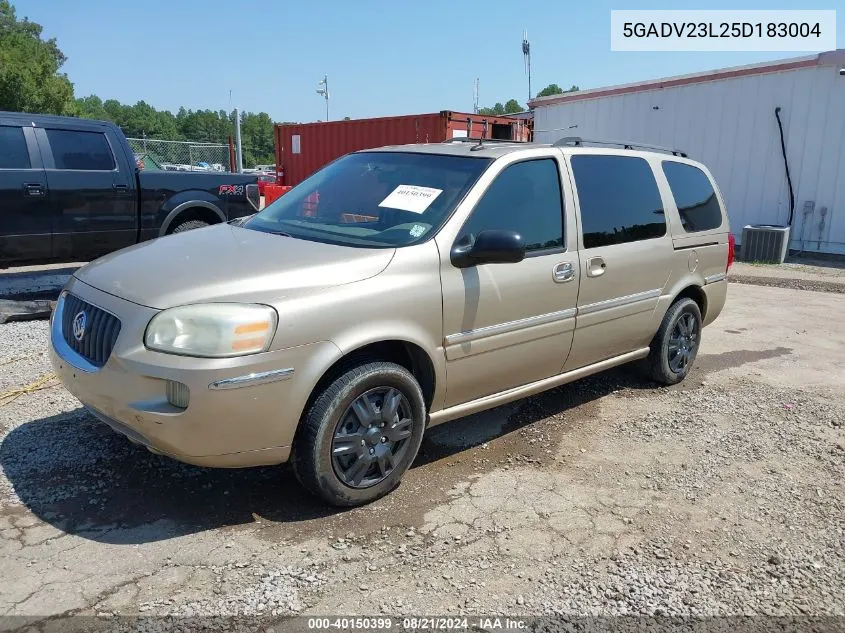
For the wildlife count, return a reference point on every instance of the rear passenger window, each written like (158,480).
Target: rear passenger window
(13,151)
(619,200)
(73,149)
(697,203)
(526,198)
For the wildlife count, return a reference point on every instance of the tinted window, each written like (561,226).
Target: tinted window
(80,150)
(524,198)
(385,199)
(13,152)
(619,200)
(697,204)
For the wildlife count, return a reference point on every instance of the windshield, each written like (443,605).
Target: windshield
(375,199)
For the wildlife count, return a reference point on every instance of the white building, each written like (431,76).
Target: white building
(726,119)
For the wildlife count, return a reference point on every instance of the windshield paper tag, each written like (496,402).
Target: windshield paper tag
(411,198)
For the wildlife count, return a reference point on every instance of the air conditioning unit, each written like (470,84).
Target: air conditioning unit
(764,243)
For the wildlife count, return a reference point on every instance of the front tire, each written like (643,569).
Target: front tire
(675,346)
(189,225)
(360,435)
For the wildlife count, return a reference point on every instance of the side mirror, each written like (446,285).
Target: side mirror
(488,247)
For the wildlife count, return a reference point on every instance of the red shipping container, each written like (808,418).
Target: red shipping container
(303,148)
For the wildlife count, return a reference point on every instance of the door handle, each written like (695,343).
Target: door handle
(33,189)
(121,188)
(596,266)
(563,272)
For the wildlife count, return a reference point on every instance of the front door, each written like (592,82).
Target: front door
(626,255)
(507,325)
(25,225)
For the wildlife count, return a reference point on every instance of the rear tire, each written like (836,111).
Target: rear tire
(360,435)
(189,225)
(675,346)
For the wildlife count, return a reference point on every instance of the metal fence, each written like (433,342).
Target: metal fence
(180,155)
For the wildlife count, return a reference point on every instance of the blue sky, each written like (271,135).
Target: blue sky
(382,57)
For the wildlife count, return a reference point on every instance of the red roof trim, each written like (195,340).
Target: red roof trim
(657,84)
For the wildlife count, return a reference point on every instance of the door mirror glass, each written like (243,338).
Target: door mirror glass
(488,247)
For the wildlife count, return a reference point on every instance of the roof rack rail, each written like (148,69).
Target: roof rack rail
(464,139)
(577,141)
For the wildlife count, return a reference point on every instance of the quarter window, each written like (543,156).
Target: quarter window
(87,151)
(525,198)
(14,154)
(694,196)
(619,200)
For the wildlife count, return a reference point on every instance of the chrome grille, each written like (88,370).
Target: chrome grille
(100,331)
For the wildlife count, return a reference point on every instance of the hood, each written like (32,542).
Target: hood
(228,263)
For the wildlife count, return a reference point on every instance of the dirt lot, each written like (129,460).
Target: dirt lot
(725,495)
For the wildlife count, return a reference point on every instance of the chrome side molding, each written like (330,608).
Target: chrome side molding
(250,380)
(617,302)
(509,326)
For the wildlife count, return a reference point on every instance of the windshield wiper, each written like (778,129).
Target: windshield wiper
(282,233)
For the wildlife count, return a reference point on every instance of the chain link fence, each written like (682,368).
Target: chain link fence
(180,155)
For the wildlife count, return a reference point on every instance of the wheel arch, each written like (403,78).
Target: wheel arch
(697,294)
(404,353)
(191,210)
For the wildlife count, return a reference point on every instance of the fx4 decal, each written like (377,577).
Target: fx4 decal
(231,190)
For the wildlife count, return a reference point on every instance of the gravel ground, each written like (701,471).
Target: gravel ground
(798,274)
(721,496)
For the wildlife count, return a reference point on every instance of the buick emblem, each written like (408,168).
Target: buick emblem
(79,322)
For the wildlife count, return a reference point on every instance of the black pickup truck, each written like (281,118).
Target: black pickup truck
(71,190)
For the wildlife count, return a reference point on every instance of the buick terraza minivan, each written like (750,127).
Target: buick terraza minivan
(394,290)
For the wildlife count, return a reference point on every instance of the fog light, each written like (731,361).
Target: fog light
(178,394)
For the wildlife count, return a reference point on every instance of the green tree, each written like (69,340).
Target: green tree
(511,107)
(554,89)
(91,107)
(496,110)
(30,80)
(257,138)
(205,126)
(115,111)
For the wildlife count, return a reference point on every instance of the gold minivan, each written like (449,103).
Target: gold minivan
(396,289)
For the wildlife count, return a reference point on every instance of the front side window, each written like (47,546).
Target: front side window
(88,151)
(619,199)
(525,198)
(13,151)
(373,199)
(694,196)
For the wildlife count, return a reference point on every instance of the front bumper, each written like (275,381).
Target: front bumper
(242,411)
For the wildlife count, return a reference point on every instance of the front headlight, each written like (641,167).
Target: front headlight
(212,330)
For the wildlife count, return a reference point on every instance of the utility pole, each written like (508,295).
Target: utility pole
(323,91)
(239,154)
(475,96)
(526,54)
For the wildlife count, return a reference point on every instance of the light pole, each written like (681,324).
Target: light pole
(323,91)
(239,152)
(526,55)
